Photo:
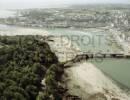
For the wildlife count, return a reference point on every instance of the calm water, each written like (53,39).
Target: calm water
(118,69)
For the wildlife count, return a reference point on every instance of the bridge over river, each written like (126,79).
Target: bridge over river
(87,56)
(107,55)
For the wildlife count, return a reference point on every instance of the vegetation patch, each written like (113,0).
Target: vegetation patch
(24,62)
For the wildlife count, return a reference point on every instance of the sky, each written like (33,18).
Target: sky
(10,4)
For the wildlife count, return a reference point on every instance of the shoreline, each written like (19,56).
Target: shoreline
(90,73)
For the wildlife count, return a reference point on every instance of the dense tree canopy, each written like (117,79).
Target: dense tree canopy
(24,62)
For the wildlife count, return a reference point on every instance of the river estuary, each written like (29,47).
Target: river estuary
(118,69)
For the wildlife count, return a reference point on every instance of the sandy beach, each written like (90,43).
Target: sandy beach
(12,31)
(85,80)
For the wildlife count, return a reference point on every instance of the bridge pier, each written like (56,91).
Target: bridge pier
(127,56)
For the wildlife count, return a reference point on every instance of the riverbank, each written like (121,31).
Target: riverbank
(85,80)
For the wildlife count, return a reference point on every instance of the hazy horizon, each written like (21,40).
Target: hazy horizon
(17,4)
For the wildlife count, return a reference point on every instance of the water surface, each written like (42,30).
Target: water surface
(118,69)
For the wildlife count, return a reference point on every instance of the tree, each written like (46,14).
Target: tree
(32,91)
(24,62)
(43,96)
(39,69)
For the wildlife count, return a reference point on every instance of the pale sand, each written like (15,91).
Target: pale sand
(64,49)
(84,80)
(23,31)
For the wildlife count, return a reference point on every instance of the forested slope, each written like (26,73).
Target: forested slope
(24,62)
